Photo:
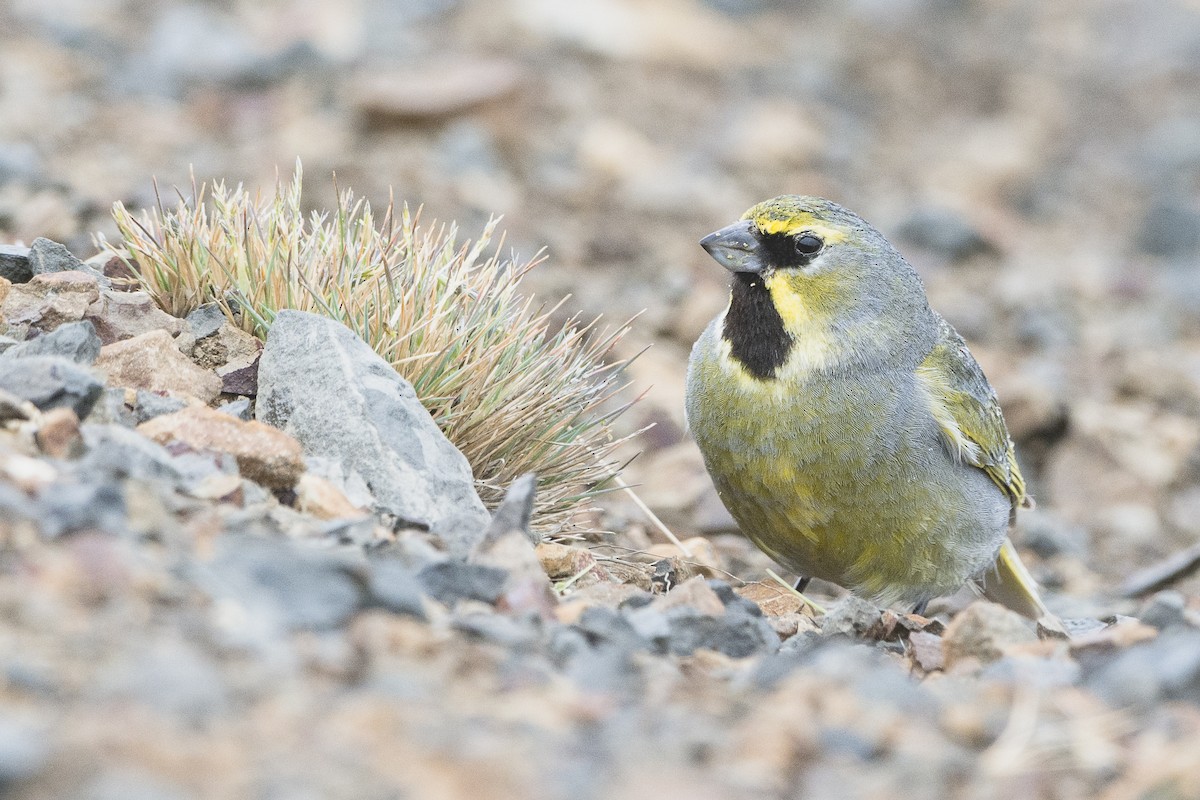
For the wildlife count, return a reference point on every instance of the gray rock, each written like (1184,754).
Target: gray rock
(299,588)
(944,232)
(116,452)
(737,634)
(205,321)
(1043,673)
(51,382)
(502,630)
(77,508)
(24,751)
(395,587)
(172,676)
(601,625)
(14,263)
(1080,626)
(238,409)
(50,256)
(120,315)
(651,624)
(111,409)
(74,341)
(851,616)
(154,404)
(1167,668)
(514,513)
(450,581)
(732,600)
(1165,610)
(1170,229)
(323,385)
(20,163)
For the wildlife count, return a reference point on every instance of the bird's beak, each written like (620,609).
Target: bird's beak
(735,247)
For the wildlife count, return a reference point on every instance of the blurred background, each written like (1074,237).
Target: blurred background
(1039,163)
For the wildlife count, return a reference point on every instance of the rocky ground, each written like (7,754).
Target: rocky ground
(196,600)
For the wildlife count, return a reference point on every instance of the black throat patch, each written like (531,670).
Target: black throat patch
(754,329)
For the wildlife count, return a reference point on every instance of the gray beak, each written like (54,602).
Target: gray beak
(735,247)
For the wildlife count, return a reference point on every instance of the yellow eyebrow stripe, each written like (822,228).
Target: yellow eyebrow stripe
(802,222)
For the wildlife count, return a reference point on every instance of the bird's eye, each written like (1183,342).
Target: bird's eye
(807,244)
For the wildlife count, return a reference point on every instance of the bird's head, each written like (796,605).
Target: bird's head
(821,274)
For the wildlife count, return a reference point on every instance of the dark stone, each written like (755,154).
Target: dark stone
(241,380)
(565,643)
(14,263)
(737,635)
(449,581)
(51,382)
(74,341)
(323,385)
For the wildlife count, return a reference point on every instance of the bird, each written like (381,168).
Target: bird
(844,423)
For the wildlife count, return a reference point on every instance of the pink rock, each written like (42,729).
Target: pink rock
(265,455)
(124,315)
(50,300)
(151,361)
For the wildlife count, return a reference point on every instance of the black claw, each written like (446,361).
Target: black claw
(920,607)
(801,584)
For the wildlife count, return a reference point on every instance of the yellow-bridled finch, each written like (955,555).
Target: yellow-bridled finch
(845,424)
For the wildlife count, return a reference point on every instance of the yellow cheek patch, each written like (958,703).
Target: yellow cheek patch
(813,347)
(788,302)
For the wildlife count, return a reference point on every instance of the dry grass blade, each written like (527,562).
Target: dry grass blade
(513,390)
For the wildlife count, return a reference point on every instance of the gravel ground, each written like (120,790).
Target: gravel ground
(183,618)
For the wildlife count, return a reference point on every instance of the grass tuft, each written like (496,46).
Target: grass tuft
(512,389)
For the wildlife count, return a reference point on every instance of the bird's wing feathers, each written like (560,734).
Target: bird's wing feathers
(968,413)
(966,410)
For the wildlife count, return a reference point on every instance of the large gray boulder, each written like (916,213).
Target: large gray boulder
(322,384)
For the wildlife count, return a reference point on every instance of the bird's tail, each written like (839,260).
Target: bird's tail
(1010,584)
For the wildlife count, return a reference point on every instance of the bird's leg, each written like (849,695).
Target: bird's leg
(801,584)
(920,607)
